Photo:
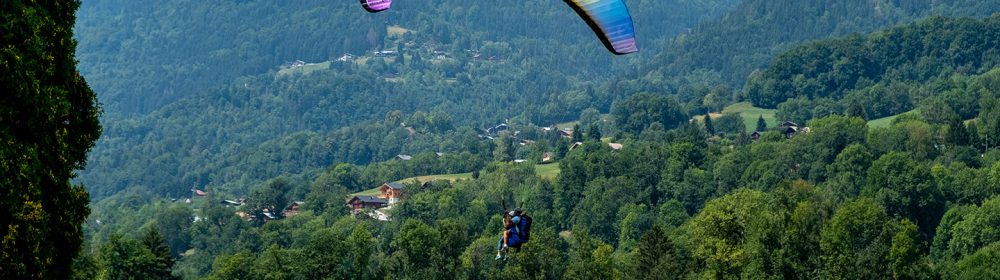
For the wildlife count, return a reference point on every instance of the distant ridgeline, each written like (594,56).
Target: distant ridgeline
(726,51)
(885,73)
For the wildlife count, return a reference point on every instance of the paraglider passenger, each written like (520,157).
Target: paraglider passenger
(508,226)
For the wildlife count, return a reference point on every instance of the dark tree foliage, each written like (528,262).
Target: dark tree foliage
(48,122)
(164,260)
(881,68)
(761,124)
(730,123)
(756,31)
(146,258)
(708,125)
(594,133)
(640,111)
(658,257)
(577,133)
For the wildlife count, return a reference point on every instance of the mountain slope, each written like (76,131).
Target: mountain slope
(887,72)
(757,30)
(144,55)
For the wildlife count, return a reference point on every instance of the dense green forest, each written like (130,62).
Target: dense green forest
(843,201)
(345,112)
(887,73)
(234,133)
(726,51)
(144,55)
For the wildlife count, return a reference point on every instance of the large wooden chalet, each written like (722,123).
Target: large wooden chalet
(391,192)
(362,202)
(293,209)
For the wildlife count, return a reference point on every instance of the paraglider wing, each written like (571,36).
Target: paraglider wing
(374,6)
(611,22)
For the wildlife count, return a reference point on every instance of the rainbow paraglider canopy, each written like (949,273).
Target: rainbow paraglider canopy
(609,19)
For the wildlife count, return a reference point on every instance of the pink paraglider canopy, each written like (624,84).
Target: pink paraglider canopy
(373,6)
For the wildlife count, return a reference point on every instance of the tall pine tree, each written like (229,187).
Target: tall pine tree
(708,124)
(761,123)
(163,261)
(48,123)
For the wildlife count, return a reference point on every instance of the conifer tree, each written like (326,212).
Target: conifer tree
(708,124)
(761,123)
(163,261)
(48,123)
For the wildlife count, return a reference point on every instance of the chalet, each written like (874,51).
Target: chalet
(199,192)
(615,146)
(520,160)
(298,63)
(234,203)
(268,215)
(385,53)
(526,142)
(391,192)
(404,157)
(347,57)
(575,145)
(755,135)
(244,216)
(568,133)
(362,202)
(410,130)
(547,157)
(789,129)
(497,129)
(293,209)
(441,55)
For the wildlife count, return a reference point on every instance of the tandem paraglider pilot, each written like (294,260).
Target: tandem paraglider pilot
(517,227)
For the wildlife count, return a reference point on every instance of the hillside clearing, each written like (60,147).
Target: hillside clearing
(887,121)
(748,112)
(547,171)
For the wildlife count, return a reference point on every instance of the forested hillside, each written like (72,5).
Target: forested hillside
(465,65)
(883,74)
(841,201)
(144,55)
(729,49)
(258,166)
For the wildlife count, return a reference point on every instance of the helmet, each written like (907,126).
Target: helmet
(516,219)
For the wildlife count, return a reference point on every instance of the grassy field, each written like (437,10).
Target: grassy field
(886,121)
(428,178)
(603,117)
(748,112)
(751,113)
(567,124)
(549,171)
(396,30)
(309,68)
